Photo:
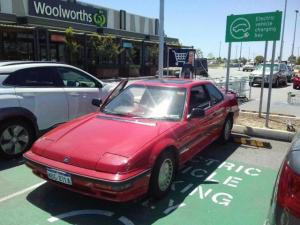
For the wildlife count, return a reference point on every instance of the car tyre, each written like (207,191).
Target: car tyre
(251,84)
(16,136)
(162,175)
(226,131)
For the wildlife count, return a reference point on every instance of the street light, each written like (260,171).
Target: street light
(161,39)
(294,33)
(282,36)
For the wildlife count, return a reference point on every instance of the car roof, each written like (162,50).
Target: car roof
(174,82)
(10,67)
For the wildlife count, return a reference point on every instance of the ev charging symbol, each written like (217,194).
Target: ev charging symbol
(239,28)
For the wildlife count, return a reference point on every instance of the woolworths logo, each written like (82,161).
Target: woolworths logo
(68,12)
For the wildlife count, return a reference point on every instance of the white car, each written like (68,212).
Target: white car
(249,67)
(34,97)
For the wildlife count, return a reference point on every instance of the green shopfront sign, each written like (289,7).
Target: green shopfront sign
(254,27)
(68,12)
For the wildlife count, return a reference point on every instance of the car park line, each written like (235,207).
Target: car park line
(21,192)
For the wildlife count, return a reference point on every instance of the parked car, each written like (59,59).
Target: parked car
(296,71)
(280,72)
(249,67)
(290,73)
(296,82)
(285,203)
(34,97)
(137,140)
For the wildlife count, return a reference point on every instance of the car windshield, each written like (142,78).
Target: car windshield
(268,67)
(150,102)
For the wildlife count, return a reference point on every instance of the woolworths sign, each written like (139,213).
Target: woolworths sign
(76,13)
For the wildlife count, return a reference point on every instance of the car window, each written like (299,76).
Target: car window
(74,78)
(215,95)
(198,98)
(35,77)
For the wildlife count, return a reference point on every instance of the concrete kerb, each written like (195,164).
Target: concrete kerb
(277,135)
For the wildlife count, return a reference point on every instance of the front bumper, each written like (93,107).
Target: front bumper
(258,80)
(85,182)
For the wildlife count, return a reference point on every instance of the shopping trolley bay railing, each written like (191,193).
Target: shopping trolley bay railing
(240,85)
(293,98)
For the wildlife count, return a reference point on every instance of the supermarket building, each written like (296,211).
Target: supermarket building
(36,30)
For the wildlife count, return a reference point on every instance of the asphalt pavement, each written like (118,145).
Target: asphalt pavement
(279,97)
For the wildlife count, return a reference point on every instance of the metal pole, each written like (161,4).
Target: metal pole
(240,56)
(270,84)
(161,39)
(249,54)
(282,36)
(220,49)
(236,52)
(168,58)
(294,33)
(228,67)
(263,79)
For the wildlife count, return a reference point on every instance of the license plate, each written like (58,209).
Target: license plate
(59,176)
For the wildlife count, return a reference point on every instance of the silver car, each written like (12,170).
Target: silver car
(285,203)
(280,74)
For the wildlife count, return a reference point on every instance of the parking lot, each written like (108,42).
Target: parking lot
(230,184)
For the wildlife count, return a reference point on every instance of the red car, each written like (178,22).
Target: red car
(137,140)
(296,82)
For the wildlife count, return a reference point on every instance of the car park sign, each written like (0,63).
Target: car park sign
(254,27)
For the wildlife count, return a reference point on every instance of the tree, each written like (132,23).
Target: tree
(153,52)
(73,45)
(292,59)
(259,59)
(199,53)
(210,56)
(105,47)
(298,61)
(243,60)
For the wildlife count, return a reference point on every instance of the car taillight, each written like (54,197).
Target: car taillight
(288,195)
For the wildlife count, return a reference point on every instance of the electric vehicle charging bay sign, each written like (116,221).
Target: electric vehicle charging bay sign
(254,27)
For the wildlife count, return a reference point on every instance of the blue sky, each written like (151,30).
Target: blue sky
(202,23)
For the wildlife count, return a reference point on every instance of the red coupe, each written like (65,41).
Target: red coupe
(137,140)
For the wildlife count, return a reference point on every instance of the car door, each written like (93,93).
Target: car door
(40,91)
(195,130)
(216,112)
(80,89)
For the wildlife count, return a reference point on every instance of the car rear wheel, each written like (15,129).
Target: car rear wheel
(226,132)
(15,138)
(162,175)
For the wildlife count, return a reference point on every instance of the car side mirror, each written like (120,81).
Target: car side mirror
(197,113)
(96,102)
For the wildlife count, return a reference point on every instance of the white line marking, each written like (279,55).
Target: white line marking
(21,192)
(80,212)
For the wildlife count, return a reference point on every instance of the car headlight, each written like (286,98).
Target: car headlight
(113,163)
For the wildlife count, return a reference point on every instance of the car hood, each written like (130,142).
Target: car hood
(84,141)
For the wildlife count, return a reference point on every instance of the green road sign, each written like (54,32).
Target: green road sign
(253,27)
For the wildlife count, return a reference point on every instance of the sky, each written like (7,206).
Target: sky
(202,24)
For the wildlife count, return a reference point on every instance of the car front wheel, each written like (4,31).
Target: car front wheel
(226,132)
(162,175)
(15,138)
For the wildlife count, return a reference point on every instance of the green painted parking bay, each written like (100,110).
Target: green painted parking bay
(224,185)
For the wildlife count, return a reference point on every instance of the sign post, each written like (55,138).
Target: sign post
(270,84)
(263,80)
(255,27)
